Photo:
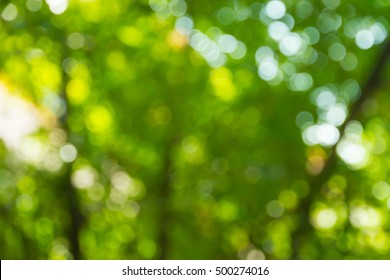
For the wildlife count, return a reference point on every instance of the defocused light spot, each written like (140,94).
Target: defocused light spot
(275,209)
(84,177)
(68,153)
(44,226)
(268,69)
(275,9)
(331,4)
(380,144)
(205,187)
(381,190)
(379,32)
(161,115)
(17,119)
(130,36)
(199,41)
(383,3)
(263,53)
(220,166)
(253,174)
(226,211)
(116,198)
(337,114)
(184,25)
(10,12)
(289,69)
(255,9)
(69,65)
(315,164)
(323,134)
(214,32)
(289,21)
(289,199)
(177,7)
(239,52)
(327,134)
(242,12)
(33,5)
(131,209)
(77,90)
(227,43)
(277,80)
(33,54)
(224,88)
(354,154)
(158,5)
(207,48)
(75,41)
(57,6)
(350,62)
(55,104)
(24,203)
(325,99)
(290,44)
(46,74)
(365,217)
(325,218)
(255,254)
(322,61)
(96,192)
(52,161)
(328,22)
(304,119)
(215,58)
(301,82)
(278,30)
(351,88)
(352,27)
(364,39)
(264,18)
(312,34)
(26,184)
(99,119)
(354,130)
(304,9)
(193,151)
(310,56)
(147,248)
(176,40)
(301,188)
(125,184)
(337,51)
(116,60)
(60,250)
(226,15)
(237,237)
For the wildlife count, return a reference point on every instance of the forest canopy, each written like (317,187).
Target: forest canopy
(178,129)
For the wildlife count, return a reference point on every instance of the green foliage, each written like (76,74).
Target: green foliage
(173,129)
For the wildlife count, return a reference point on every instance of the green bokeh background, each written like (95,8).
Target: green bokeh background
(140,130)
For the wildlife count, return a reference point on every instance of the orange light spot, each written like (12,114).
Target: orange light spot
(176,40)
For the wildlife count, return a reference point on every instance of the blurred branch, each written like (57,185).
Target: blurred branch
(74,212)
(164,197)
(68,189)
(316,182)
